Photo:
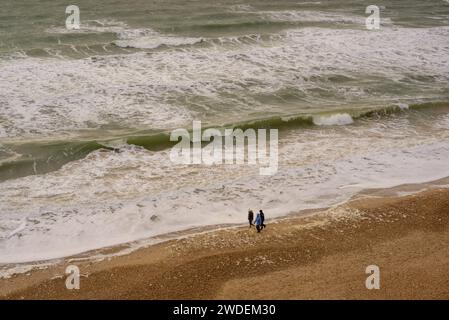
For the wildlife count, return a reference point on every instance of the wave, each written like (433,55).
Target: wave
(147,38)
(309,67)
(306,3)
(140,38)
(150,39)
(338,119)
(40,157)
(312,16)
(305,16)
(272,20)
(241,8)
(92,26)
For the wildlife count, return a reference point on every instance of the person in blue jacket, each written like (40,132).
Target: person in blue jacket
(258,222)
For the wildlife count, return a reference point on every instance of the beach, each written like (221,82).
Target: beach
(320,255)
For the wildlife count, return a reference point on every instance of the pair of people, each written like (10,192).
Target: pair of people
(259,222)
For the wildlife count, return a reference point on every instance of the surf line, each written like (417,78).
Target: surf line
(227,147)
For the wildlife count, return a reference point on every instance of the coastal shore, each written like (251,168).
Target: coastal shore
(321,255)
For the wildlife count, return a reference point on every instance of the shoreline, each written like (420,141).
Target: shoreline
(111,251)
(295,257)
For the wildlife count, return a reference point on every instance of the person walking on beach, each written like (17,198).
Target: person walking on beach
(262,218)
(258,222)
(250,217)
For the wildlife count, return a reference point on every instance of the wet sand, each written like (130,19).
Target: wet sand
(320,256)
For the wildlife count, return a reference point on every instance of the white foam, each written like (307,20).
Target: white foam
(143,38)
(443,122)
(150,39)
(309,3)
(169,88)
(339,119)
(92,26)
(312,16)
(241,8)
(403,106)
(7,272)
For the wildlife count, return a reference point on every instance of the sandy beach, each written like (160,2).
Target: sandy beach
(322,255)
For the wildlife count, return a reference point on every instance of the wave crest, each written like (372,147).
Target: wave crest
(339,119)
(150,39)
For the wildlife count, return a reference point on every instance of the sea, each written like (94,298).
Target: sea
(86,114)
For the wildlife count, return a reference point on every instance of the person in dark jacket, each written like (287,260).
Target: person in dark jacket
(258,222)
(250,217)
(262,218)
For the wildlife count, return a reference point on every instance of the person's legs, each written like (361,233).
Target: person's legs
(250,222)
(258,228)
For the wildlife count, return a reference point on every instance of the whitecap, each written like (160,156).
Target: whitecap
(339,119)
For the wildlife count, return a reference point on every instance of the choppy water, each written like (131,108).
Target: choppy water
(84,115)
